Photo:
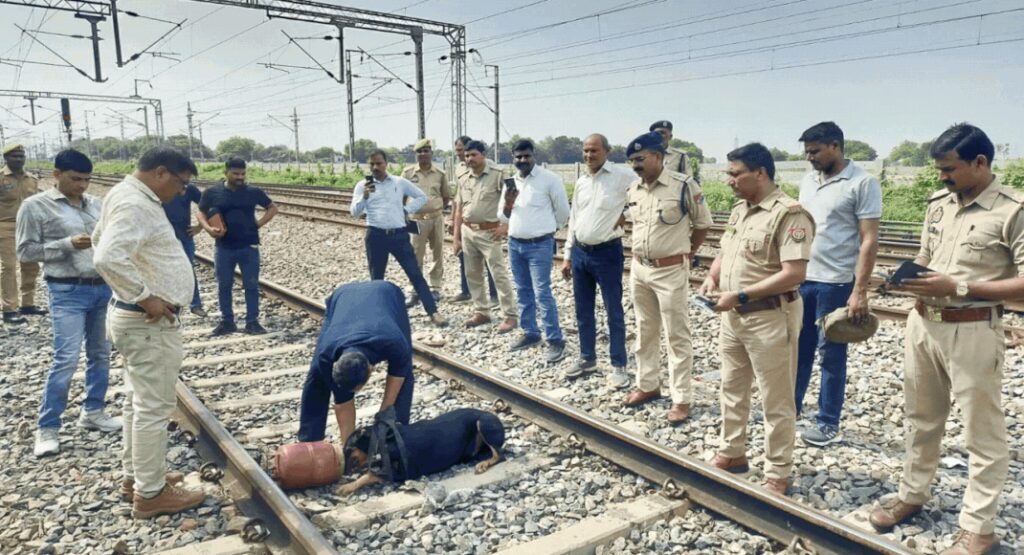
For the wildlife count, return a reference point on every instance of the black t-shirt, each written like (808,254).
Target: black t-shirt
(179,211)
(238,208)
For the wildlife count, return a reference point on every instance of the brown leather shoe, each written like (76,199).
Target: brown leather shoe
(508,325)
(637,397)
(172,499)
(478,320)
(969,543)
(128,484)
(678,413)
(778,486)
(884,519)
(735,465)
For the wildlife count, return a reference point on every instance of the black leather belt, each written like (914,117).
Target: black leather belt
(534,239)
(393,231)
(768,303)
(617,242)
(75,280)
(131,307)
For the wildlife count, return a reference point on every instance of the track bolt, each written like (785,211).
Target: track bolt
(210,472)
(671,490)
(188,438)
(499,405)
(255,531)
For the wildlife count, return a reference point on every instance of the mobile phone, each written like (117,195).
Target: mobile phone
(510,184)
(704,302)
(369,183)
(907,270)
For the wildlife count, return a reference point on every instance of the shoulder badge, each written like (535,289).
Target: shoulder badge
(797,233)
(936,215)
(734,217)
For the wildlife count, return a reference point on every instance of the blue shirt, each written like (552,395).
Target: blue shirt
(838,204)
(368,317)
(384,208)
(238,208)
(179,211)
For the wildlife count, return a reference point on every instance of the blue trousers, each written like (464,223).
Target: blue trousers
(78,312)
(312,424)
(248,261)
(464,283)
(190,250)
(531,269)
(819,300)
(600,267)
(381,243)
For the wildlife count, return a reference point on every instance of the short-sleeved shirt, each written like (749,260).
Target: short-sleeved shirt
(238,208)
(369,317)
(480,195)
(837,205)
(982,241)
(179,211)
(676,160)
(13,190)
(432,183)
(660,229)
(759,238)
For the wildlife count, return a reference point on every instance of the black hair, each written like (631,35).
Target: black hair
(465,139)
(754,156)
(378,152)
(523,144)
(171,158)
(478,146)
(72,160)
(826,132)
(351,370)
(234,163)
(967,141)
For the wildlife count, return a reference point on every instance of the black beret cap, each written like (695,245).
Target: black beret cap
(647,141)
(662,124)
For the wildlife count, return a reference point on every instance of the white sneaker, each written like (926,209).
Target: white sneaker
(47,442)
(618,378)
(98,420)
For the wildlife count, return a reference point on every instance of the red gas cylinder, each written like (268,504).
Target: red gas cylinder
(307,464)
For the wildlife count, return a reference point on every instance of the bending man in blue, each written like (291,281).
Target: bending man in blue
(366,323)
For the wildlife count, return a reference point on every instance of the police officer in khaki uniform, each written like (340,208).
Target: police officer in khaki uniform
(666,208)
(675,158)
(16,185)
(478,233)
(973,239)
(755,278)
(430,219)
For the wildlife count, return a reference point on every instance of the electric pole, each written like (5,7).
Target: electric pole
(88,135)
(124,155)
(202,145)
(351,116)
(295,124)
(189,116)
(497,114)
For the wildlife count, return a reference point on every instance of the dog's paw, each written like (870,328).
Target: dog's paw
(347,489)
(482,467)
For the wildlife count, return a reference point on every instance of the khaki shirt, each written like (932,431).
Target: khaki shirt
(676,160)
(13,190)
(759,238)
(431,182)
(659,227)
(983,241)
(480,195)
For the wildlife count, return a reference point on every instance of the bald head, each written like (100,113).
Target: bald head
(595,151)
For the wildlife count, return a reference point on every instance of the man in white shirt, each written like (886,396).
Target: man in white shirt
(137,254)
(535,207)
(594,255)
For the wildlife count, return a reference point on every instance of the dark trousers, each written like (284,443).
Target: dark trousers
(248,261)
(465,284)
(599,267)
(819,300)
(312,423)
(190,250)
(380,243)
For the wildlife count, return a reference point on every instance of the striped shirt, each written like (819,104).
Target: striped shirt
(46,223)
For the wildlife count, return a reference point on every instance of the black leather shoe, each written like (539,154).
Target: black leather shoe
(33,310)
(525,342)
(13,318)
(255,329)
(224,328)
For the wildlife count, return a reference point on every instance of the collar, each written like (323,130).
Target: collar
(768,201)
(987,198)
(486,170)
(55,194)
(7,171)
(142,187)
(847,173)
(431,169)
(602,169)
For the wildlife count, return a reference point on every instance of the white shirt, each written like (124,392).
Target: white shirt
(597,203)
(541,207)
(135,250)
(384,208)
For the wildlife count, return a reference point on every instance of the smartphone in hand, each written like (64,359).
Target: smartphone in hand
(703,302)
(510,184)
(369,183)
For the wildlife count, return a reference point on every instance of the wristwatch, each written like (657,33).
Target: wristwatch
(961,289)
(743,297)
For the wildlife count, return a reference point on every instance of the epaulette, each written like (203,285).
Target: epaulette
(938,194)
(409,170)
(738,202)
(1014,194)
(792,205)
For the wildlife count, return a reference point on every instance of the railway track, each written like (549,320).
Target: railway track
(683,481)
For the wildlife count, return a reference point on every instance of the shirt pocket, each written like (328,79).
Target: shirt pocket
(670,211)
(610,202)
(755,244)
(981,246)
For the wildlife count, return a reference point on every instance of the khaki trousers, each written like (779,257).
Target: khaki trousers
(660,303)
(432,233)
(967,360)
(9,276)
(479,248)
(761,345)
(153,354)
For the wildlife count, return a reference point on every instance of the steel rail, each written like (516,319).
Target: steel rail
(779,518)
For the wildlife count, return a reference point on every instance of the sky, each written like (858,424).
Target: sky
(725,72)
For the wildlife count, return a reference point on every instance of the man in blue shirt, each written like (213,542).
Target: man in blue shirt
(238,239)
(366,323)
(179,213)
(383,199)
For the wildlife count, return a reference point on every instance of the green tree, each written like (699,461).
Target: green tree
(322,154)
(693,152)
(276,153)
(563,149)
(363,148)
(780,155)
(909,153)
(859,150)
(240,147)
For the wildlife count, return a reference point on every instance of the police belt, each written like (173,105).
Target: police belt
(674,260)
(131,307)
(617,242)
(75,280)
(425,216)
(483,226)
(767,303)
(976,314)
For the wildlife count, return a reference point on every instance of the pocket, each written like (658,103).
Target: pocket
(670,211)
(974,249)
(62,288)
(755,246)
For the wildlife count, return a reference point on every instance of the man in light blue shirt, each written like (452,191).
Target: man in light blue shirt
(846,204)
(534,208)
(382,198)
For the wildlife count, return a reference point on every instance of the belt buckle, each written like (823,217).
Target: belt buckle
(934,313)
(646,262)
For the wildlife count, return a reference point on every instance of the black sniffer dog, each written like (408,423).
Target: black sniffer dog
(395,452)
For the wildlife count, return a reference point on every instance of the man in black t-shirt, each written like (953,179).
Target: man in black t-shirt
(227,211)
(179,213)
